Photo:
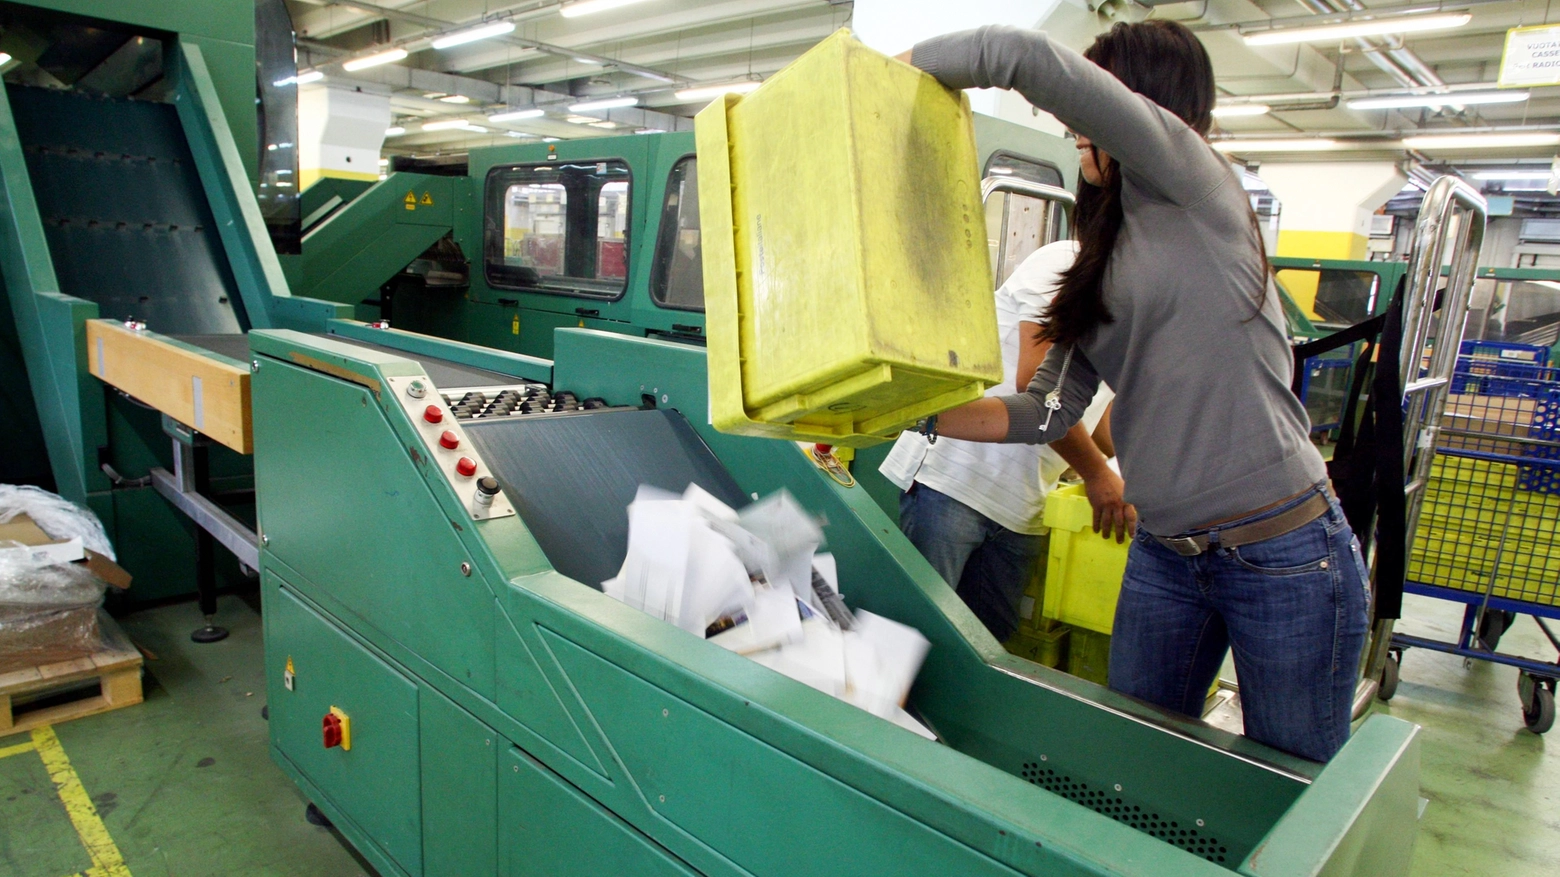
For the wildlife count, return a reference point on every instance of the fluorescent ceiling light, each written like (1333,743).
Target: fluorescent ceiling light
(1481,141)
(1224,112)
(384,162)
(475,129)
(445,125)
(1308,144)
(1437,101)
(587,62)
(603,124)
(586,7)
(1346,30)
(516,115)
(6,59)
(368,61)
(394,131)
(1535,174)
(455,99)
(471,35)
(710,92)
(300,79)
(611,103)
(651,131)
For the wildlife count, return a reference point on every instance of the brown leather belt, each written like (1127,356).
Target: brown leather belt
(1256,531)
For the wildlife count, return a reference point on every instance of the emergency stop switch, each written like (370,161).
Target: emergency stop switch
(337,729)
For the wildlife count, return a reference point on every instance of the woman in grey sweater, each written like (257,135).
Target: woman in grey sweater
(1171,303)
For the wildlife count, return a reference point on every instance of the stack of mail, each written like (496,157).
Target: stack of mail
(753,582)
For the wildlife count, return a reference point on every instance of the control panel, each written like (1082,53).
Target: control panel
(438,423)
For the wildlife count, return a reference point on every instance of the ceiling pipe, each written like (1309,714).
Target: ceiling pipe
(1369,48)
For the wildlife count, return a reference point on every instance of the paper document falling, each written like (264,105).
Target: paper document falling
(753,582)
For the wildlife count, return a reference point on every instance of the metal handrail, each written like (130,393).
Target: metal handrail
(1015,186)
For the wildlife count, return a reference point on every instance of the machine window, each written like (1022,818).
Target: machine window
(677,276)
(1333,297)
(560,228)
(1002,163)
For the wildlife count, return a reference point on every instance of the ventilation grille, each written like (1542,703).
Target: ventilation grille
(1190,839)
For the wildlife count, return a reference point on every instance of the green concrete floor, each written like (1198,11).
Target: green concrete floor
(185,786)
(184,782)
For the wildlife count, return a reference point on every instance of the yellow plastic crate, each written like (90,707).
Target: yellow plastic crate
(1083,569)
(847,283)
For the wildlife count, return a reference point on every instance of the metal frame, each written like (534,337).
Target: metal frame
(1450,228)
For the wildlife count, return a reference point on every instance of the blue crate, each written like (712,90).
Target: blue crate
(1505,351)
(1493,377)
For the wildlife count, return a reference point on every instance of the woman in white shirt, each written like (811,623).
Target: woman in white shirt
(973,509)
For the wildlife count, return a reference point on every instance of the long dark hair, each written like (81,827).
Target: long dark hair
(1163,61)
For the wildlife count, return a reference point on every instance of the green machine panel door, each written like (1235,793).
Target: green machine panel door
(551,829)
(459,790)
(375,783)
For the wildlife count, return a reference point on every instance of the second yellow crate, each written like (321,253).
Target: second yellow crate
(1083,569)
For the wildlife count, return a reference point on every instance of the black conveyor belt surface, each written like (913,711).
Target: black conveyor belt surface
(572,476)
(445,375)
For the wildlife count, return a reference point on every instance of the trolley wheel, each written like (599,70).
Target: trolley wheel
(1538,703)
(1493,625)
(1389,678)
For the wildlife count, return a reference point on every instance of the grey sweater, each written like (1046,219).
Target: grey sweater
(1205,424)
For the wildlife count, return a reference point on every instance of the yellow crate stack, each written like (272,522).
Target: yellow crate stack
(1469,503)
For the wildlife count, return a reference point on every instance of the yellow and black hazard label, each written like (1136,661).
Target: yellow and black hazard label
(411,200)
(427,200)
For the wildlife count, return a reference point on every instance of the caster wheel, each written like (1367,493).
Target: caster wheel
(315,817)
(1538,703)
(265,713)
(1493,626)
(1389,678)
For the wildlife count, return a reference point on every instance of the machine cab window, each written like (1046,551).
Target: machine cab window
(1017,225)
(559,227)
(677,275)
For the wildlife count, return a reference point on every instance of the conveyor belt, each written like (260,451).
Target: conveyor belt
(446,375)
(572,476)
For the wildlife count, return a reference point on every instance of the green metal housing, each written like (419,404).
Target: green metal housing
(55,405)
(506,719)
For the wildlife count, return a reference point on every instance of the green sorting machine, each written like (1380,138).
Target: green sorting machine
(440,255)
(127,164)
(446,681)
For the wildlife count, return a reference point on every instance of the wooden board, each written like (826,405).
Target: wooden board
(201,390)
(118,674)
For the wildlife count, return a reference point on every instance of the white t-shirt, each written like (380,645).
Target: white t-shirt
(1006,483)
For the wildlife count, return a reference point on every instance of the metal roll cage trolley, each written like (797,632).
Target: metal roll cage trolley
(1483,465)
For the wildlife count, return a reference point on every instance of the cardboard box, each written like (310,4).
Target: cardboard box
(41,549)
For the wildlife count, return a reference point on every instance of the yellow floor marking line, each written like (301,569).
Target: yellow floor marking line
(18,749)
(106,859)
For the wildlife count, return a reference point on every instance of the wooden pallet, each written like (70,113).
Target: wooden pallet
(118,674)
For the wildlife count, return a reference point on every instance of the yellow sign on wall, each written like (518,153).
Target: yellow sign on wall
(1532,57)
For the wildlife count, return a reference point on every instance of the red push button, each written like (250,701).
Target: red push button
(433,414)
(465,467)
(332,729)
(449,440)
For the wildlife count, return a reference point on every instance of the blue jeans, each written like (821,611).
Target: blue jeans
(1292,607)
(988,563)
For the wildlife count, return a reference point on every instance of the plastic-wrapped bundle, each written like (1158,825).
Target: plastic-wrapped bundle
(58,517)
(47,613)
